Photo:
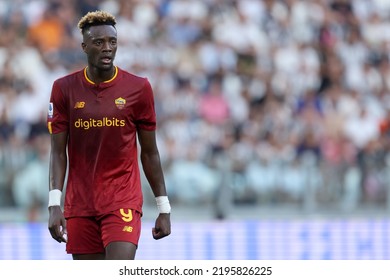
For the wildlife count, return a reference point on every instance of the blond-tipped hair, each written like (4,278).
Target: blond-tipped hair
(96,18)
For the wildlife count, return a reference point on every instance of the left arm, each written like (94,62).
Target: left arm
(150,159)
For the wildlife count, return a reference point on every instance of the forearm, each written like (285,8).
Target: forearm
(153,171)
(57,170)
(58,161)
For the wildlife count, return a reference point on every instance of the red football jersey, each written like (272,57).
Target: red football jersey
(102,121)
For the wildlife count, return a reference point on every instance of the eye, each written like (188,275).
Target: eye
(98,42)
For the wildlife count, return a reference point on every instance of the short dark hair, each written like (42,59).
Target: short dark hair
(96,18)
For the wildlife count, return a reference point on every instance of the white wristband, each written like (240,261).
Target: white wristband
(163,205)
(55,197)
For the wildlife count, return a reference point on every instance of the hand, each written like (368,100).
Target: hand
(57,224)
(162,227)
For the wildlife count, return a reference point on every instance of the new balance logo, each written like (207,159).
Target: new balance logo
(79,105)
(127,228)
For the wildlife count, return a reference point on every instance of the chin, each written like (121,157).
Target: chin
(106,67)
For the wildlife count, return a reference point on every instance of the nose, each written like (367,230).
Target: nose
(107,46)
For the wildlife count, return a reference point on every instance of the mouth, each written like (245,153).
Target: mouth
(106,60)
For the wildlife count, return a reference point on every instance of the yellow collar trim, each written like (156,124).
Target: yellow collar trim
(90,81)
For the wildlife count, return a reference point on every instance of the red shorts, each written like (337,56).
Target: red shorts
(90,235)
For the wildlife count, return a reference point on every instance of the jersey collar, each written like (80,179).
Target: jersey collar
(105,82)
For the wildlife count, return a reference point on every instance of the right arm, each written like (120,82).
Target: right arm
(57,171)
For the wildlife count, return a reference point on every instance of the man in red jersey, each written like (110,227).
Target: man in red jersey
(95,116)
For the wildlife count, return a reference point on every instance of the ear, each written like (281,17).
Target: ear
(84,46)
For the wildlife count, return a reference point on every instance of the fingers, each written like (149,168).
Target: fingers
(61,238)
(59,233)
(57,225)
(162,227)
(64,235)
(56,235)
(159,233)
(54,232)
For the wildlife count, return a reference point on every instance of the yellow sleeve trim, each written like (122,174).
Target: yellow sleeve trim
(49,128)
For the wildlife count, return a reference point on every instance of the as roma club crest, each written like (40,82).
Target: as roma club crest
(120,103)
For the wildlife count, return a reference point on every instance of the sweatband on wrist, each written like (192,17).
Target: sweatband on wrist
(163,205)
(55,198)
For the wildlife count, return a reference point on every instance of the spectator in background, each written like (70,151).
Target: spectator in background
(27,190)
(213,107)
(47,33)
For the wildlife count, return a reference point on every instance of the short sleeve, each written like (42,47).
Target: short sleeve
(57,115)
(145,112)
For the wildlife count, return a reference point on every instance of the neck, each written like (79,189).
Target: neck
(99,76)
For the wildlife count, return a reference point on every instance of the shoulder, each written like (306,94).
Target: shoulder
(69,79)
(135,80)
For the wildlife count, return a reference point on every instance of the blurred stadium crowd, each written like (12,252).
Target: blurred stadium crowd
(259,102)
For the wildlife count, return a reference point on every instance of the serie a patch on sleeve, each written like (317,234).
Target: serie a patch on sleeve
(50,114)
(50,110)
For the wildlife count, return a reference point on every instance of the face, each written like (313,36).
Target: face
(100,45)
